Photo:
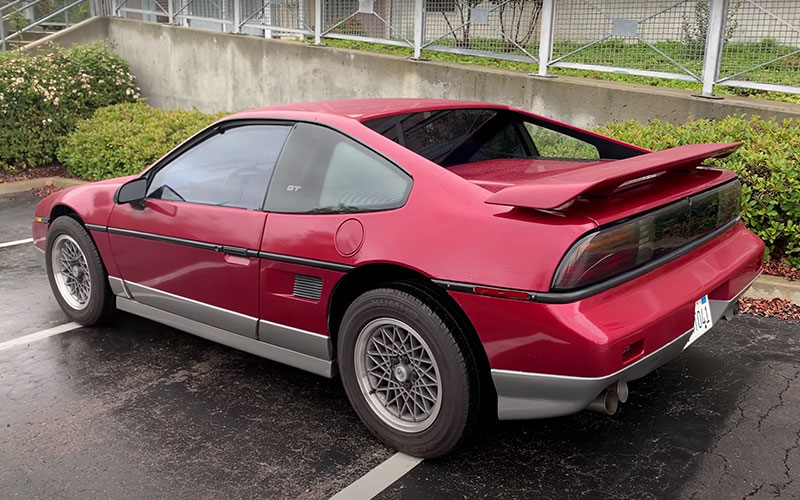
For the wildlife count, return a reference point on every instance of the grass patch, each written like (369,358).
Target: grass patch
(614,52)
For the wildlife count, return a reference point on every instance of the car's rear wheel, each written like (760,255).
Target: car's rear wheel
(76,273)
(408,373)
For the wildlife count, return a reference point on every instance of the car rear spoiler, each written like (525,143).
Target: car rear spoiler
(557,190)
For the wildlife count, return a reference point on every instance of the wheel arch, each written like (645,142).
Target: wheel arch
(371,276)
(61,209)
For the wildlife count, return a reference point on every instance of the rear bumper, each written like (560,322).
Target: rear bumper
(524,395)
(551,359)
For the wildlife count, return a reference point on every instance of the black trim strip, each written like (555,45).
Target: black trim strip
(575,295)
(96,227)
(333,266)
(230,250)
(167,239)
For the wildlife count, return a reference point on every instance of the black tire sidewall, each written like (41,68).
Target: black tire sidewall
(100,295)
(457,384)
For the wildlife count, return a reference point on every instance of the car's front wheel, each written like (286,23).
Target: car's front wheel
(76,273)
(407,372)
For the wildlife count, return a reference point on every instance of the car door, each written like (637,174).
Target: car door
(326,191)
(190,248)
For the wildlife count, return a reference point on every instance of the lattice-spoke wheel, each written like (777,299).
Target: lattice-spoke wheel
(408,371)
(76,272)
(71,272)
(398,375)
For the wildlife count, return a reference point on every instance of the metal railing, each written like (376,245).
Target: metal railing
(743,43)
(22,16)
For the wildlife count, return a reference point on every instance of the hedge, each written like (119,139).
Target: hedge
(768,163)
(125,138)
(43,95)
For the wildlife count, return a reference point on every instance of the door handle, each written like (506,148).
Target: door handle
(237,251)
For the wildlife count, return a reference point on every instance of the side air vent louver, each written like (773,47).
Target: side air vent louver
(307,287)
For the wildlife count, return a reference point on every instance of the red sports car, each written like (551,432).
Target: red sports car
(441,257)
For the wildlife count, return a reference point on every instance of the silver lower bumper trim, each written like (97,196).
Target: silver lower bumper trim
(526,395)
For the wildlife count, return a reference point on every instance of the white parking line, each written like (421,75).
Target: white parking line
(378,479)
(15,243)
(33,337)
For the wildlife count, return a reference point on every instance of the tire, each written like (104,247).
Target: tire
(68,241)
(451,410)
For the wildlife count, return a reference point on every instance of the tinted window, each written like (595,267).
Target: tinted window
(552,144)
(323,171)
(506,143)
(231,168)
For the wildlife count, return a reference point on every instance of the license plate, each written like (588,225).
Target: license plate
(702,319)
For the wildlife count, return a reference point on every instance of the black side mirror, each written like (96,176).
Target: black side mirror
(133,192)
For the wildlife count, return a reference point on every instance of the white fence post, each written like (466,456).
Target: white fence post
(317,22)
(237,16)
(171,11)
(301,17)
(2,32)
(419,27)
(715,38)
(546,35)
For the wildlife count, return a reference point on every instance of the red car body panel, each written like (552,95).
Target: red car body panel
(655,307)
(446,232)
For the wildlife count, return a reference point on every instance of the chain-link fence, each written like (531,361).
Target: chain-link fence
(761,45)
(505,29)
(658,38)
(382,21)
(744,43)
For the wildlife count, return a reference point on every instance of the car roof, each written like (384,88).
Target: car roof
(366,109)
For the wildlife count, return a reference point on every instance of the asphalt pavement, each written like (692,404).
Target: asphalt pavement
(139,410)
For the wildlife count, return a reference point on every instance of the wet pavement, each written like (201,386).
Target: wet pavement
(139,410)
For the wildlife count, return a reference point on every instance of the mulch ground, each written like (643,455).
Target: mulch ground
(778,268)
(54,170)
(775,308)
(45,191)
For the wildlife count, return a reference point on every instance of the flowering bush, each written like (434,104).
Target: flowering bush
(126,138)
(43,96)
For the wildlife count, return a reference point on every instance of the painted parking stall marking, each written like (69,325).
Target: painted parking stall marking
(33,337)
(16,242)
(378,479)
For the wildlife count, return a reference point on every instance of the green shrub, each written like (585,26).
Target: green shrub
(43,96)
(125,138)
(768,163)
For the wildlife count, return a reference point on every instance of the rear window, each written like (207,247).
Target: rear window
(458,136)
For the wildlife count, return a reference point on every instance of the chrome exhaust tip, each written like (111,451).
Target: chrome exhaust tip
(607,402)
(621,388)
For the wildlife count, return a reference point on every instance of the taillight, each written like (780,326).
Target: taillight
(621,247)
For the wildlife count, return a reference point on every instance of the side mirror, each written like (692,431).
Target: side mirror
(133,191)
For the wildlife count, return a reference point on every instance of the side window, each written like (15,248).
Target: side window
(231,168)
(505,143)
(436,134)
(552,144)
(322,171)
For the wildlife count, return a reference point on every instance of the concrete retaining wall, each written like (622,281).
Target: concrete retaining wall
(180,67)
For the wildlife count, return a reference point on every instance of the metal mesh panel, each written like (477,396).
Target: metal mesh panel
(762,42)
(662,36)
(279,16)
(507,29)
(207,14)
(385,21)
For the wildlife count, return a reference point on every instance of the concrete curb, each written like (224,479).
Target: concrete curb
(28,184)
(771,287)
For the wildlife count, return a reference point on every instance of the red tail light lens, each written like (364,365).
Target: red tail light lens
(622,247)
